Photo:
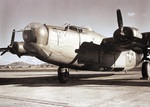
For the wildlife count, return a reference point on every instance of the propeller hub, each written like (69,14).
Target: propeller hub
(124,39)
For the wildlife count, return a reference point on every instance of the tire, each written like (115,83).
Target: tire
(63,75)
(145,70)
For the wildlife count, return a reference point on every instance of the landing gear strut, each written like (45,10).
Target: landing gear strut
(63,75)
(146,64)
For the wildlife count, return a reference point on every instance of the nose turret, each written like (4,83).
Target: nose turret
(36,33)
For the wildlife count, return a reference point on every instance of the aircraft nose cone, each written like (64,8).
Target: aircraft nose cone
(36,33)
(29,32)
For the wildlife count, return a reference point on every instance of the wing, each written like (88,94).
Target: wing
(110,45)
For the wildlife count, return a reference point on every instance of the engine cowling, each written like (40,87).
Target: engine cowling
(18,49)
(128,37)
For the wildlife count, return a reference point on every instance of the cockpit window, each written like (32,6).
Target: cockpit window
(74,28)
(78,29)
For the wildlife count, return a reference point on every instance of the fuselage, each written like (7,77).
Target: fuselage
(75,47)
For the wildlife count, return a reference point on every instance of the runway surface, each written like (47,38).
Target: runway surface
(84,89)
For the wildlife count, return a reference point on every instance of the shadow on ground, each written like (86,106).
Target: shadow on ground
(75,79)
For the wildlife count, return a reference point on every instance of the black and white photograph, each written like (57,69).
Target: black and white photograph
(74,53)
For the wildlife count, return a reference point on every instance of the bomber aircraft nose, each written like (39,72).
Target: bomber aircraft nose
(36,36)
(36,33)
(28,33)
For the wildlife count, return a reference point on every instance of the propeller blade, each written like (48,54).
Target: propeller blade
(119,19)
(21,30)
(10,47)
(12,38)
(2,49)
(4,52)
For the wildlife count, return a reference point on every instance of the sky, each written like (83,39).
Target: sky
(100,15)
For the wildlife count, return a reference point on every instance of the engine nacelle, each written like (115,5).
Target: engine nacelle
(18,49)
(128,37)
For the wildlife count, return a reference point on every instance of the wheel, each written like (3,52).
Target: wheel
(145,70)
(63,75)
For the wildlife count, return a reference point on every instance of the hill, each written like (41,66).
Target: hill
(19,64)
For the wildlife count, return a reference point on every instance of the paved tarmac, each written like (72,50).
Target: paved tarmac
(84,89)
